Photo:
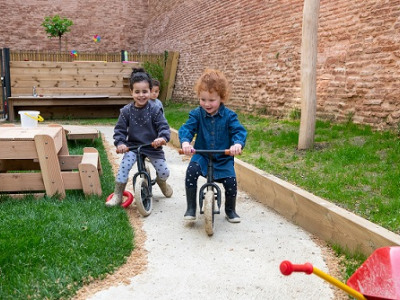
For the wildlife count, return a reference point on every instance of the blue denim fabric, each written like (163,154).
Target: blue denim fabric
(217,132)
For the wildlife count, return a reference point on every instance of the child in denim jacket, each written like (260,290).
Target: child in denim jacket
(216,128)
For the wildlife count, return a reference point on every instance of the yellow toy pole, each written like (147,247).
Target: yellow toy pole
(288,268)
(339,284)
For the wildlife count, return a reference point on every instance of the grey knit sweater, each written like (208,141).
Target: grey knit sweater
(137,126)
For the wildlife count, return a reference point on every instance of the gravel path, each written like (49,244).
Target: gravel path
(240,261)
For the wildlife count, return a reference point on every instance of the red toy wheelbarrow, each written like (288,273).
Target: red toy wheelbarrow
(377,278)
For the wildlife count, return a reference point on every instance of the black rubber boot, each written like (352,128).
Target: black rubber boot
(190,213)
(230,206)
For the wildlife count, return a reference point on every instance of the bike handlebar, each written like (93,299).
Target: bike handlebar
(288,268)
(130,148)
(198,151)
(143,145)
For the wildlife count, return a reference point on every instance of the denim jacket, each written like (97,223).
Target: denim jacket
(217,132)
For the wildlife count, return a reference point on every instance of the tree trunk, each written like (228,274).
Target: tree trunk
(59,43)
(309,47)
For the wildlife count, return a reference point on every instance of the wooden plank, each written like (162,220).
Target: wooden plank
(73,65)
(35,78)
(17,133)
(56,78)
(72,180)
(172,74)
(70,101)
(27,91)
(32,182)
(49,165)
(78,83)
(20,196)
(94,150)
(81,132)
(318,216)
(69,162)
(17,149)
(90,179)
(83,136)
(60,140)
(68,69)
(88,170)
(90,158)
(21,182)
(94,112)
(18,164)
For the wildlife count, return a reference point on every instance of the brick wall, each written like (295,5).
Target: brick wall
(119,23)
(256,43)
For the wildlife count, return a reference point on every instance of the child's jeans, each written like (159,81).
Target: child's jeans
(129,160)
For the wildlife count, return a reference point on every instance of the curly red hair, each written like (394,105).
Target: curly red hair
(213,80)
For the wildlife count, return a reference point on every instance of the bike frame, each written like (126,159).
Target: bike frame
(210,180)
(141,167)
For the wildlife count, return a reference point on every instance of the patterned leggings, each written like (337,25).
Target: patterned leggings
(129,160)
(193,172)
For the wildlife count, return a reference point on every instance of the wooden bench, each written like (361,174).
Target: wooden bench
(84,106)
(74,132)
(70,89)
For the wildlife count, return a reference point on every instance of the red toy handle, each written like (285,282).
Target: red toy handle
(288,268)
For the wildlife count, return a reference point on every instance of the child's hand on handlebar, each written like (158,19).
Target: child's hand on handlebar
(235,150)
(158,142)
(187,148)
(122,148)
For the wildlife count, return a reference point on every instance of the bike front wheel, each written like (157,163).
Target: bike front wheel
(143,198)
(209,204)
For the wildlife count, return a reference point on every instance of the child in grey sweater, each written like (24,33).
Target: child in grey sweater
(141,122)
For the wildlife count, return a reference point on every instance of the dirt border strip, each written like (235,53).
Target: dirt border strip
(319,217)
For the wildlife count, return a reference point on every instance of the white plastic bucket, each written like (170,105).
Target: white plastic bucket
(30,118)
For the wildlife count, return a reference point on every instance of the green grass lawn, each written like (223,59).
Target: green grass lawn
(49,247)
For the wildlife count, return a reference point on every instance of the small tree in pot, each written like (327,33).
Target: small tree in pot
(56,27)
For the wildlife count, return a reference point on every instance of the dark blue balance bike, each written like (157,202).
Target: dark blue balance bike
(142,183)
(210,192)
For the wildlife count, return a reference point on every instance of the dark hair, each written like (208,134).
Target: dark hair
(156,82)
(138,75)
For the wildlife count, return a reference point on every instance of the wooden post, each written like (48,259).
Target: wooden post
(309,47)
(89,170)
(169,75)
(49,165)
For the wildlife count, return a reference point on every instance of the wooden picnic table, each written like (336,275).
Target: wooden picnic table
(22,148)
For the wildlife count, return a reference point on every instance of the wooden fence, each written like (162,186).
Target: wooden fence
(25,55)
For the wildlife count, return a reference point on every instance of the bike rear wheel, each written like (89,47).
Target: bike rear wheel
(143,198)
(209,205)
